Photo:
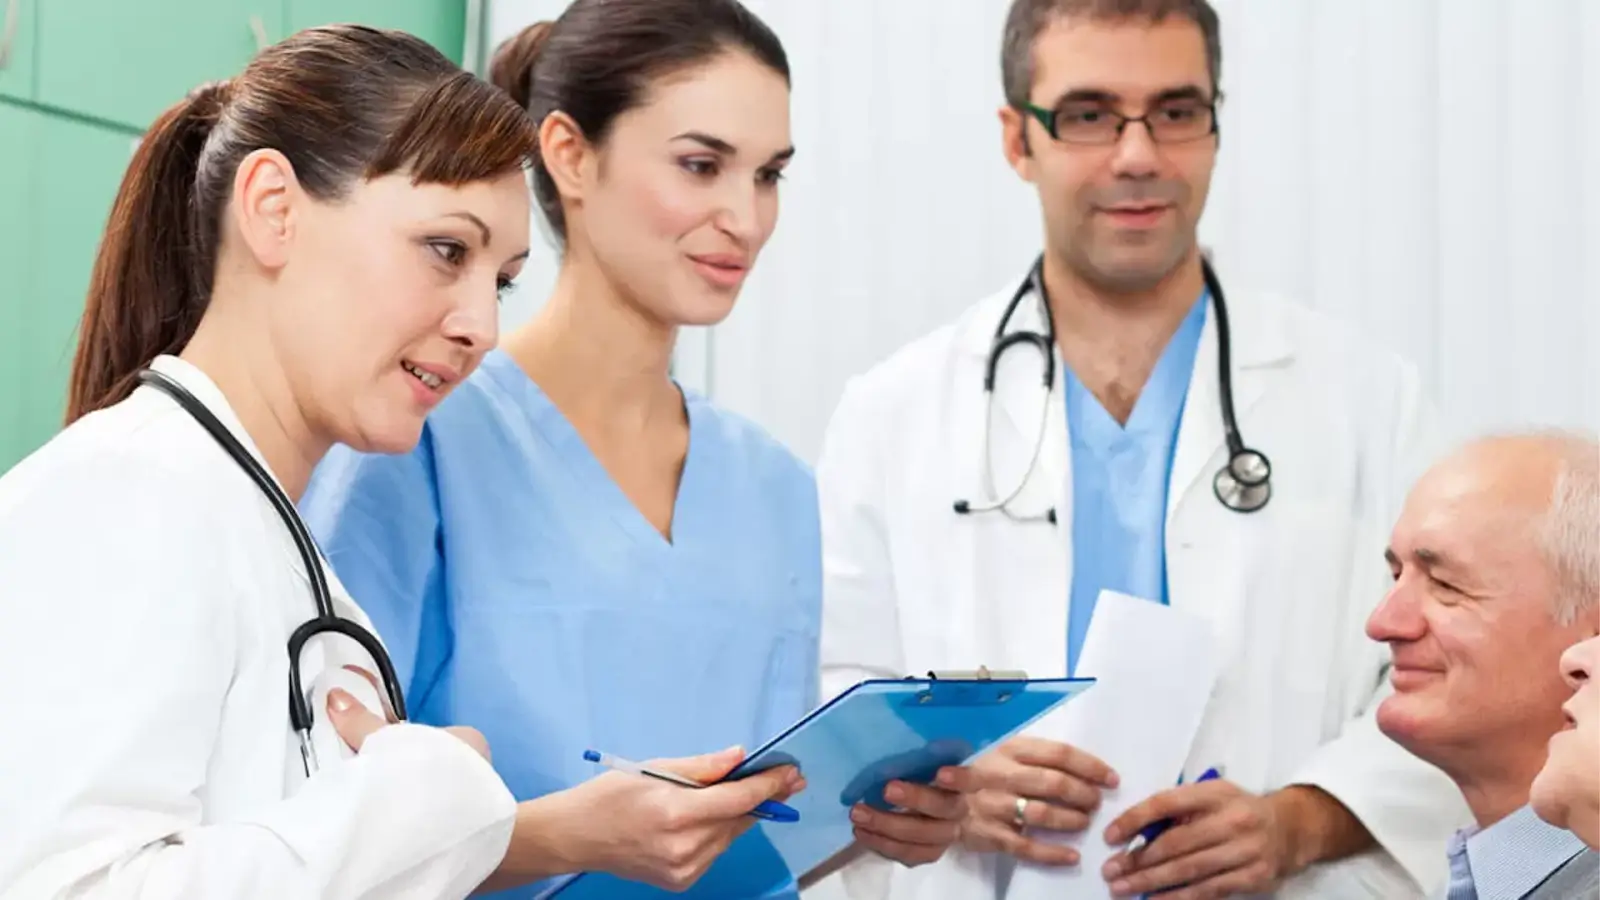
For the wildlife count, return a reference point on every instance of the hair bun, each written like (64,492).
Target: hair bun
(207,101)
(511,68)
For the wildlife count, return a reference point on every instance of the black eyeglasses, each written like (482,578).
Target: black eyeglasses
(1093,122)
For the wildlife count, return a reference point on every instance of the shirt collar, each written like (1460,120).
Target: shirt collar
(1516,854)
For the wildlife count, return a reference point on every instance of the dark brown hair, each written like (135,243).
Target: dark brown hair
(1029,17)
(595,62)
(342,103)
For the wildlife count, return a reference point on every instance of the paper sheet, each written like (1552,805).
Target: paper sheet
(1154,668)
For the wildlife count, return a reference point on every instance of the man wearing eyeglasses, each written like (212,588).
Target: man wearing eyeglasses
(1239,460)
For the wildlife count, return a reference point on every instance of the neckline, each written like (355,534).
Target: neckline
(1163,391)
(581,461)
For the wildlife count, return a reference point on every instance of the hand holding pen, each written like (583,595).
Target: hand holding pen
(770,810)
(652,828)
(1149,833)
(1208,838)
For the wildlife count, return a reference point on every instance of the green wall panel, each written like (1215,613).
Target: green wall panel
(127,60)
(442,23)
(19,130)
(77,169)
(16,77)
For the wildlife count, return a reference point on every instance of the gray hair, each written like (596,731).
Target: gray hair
(1029,17)
(1569,531)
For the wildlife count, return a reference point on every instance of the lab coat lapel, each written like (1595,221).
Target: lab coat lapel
(1259,342)
(206,391)
(1020,573)
(1205,573)
(1023,404)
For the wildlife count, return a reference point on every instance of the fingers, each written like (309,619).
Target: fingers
(1052,785)
(383,696)
(706,768)
(1001,808)
(1028,780)
(905,829)
(927,801)
(1063,758)
(989,837)
(910,854)
(354,722)
(1190,869)
(961,779)
(1243,880)
(473,738)
(1183,840)
(1186,800)
(737,798)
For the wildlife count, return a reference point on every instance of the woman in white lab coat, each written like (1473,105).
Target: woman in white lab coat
(312,252)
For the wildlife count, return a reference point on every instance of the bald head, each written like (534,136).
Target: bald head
(1496,571)
(1545,482)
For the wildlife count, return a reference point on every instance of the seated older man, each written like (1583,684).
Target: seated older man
(1567,791)
(1494,577)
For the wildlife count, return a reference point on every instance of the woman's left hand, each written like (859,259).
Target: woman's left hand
(927,820)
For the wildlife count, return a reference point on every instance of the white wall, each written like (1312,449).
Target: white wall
(1429,169)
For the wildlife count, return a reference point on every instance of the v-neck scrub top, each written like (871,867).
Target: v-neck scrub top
(1120,476)
(522,593)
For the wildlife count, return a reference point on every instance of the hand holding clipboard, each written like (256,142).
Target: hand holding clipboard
(857,752)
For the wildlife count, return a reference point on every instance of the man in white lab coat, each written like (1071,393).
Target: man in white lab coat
(972,516)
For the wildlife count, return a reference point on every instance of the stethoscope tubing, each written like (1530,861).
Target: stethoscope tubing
(1243,484)
(327,620)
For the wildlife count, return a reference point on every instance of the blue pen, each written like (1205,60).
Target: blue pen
(771,810)
(1149,833)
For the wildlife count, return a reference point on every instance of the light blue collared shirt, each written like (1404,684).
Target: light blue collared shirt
(1509,858)
(1119,483)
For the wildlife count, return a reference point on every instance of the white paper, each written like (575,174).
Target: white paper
(1154,668)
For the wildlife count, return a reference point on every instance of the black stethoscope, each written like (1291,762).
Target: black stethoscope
(327,621)
(1243,484)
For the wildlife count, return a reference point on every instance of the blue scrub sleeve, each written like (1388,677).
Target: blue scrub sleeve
(376,518)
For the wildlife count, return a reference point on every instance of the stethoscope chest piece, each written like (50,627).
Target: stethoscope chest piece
(1245,483)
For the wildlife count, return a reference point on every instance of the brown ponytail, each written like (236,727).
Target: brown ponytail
(511,68)
(146,293)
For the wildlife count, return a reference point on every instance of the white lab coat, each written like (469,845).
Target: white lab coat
(147,592)
(910,586)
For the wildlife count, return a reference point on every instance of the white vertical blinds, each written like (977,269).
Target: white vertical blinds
(1427,169)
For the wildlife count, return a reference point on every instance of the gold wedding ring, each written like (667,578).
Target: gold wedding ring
(1020,817)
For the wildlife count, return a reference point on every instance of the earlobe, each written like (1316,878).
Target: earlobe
(564,151)
(264,193)
(1014,142)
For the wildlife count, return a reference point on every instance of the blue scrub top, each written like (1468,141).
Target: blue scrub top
(1120,476)
(520,592)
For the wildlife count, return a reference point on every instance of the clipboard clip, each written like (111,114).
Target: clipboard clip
(982,673)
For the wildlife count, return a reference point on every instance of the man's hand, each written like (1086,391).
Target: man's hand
(1225,841)
(928,822)
(1056,787)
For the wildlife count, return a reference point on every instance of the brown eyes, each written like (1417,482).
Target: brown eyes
(706,167)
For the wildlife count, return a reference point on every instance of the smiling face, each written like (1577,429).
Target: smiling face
(680,198)
(1567,791)
(1123,213)
(390,297)
(1470,619)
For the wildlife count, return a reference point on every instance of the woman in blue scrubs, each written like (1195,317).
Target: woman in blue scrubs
(579,553)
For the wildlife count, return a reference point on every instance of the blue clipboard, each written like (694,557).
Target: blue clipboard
(849,749)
